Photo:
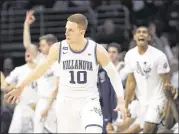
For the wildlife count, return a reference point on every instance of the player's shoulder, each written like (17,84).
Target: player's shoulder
(131,52)
(20,68)
(156,52)
(57,44)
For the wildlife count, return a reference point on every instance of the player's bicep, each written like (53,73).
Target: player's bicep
(53,54)
(102,56)
(128,64)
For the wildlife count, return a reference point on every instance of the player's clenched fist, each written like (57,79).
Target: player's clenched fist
(29,17)
(174,91)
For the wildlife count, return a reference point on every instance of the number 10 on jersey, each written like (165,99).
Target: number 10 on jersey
(79,77)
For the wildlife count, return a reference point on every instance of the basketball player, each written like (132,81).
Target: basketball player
(78,105)
(107,94)
(47,82)
(23,114)
(148,73)
(114,50)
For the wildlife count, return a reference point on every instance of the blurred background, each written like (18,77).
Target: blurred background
(109,22)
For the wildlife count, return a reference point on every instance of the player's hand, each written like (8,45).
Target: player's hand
(121,107)
(173,90)
(44,113)
(13,96)
(110,128)
(29,17)
(163,114)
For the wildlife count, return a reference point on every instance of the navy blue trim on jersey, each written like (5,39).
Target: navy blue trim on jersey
(78,52)
(60,51)
(95,53)
(91,125)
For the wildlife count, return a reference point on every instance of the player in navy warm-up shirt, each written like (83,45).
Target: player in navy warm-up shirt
(108,98)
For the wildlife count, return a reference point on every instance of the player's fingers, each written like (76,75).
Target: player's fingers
(33,18)
(9,99)
(6,96)
(116,109)
(31,12)
(13,100)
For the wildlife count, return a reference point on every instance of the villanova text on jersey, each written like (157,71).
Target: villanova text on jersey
(77,64)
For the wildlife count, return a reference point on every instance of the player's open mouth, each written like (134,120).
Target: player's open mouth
(141,40)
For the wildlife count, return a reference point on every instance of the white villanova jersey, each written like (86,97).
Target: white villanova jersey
(29,94)
(147,69)
(78,70)
(47,82)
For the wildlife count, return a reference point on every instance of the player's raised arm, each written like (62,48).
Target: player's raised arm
(13,95)
(26,33)
(104,61)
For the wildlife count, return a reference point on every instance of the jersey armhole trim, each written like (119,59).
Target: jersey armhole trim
(59,58)
(95,53)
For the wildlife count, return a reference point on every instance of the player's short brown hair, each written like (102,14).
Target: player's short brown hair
(115,45)
(50,38)
(80,19)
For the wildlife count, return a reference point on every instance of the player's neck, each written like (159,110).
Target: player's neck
(31,65)
(142,50)
(78,46)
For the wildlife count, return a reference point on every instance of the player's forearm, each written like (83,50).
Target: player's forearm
(26,36)
(40,70)
(52,98)
(6,87)
(130,88)
(115,80)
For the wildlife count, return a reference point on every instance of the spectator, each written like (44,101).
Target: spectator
(109,32)
(7,66)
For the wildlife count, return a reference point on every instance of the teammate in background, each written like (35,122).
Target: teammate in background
(114,50)
(46,83)
(78,106)
(148,73)
(22,121)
